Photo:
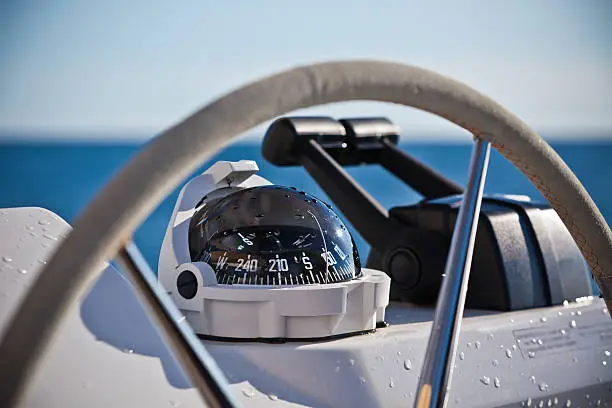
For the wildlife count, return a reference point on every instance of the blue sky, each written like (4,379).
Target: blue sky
(84,68)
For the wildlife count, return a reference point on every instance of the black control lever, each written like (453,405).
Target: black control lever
(381,136)
(318,144)
(322,145)
(421,178)
(366,214)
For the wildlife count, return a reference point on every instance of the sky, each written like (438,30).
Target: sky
(129,69)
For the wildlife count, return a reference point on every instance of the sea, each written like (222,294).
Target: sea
(64,176)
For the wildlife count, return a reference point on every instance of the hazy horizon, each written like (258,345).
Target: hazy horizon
(256,138)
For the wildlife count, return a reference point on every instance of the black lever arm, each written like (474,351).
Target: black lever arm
(322,145)
(423,179)
(360,208)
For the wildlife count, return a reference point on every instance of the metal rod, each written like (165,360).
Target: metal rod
(442,346)
(188,350)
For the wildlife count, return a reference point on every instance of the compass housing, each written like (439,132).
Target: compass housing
(247,260)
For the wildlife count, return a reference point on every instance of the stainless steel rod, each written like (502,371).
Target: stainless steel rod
(442,346)
(195,361)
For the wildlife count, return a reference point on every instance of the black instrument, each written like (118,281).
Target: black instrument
(272,235)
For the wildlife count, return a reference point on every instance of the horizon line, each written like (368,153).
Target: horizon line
(257,139)
(139,136)
(110,134)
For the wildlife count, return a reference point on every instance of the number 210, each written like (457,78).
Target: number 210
(278,265)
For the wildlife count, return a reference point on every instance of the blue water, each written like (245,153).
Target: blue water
(65,177)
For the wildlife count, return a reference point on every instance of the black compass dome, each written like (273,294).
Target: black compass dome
(272,235)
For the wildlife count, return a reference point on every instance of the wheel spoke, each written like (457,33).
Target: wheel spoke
(189,352)
(442,346)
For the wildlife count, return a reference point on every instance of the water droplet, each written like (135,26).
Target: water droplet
(579,313)
(29,228)
(249,393)
(575,359)
(497,382)
(337,369)
(563,332)
(604,363)
(511,320)
(461,355)
(128,351)
(555,400)
(7,259)
(604,310)
(351,361)
(42,222)
(416,90)
(469,345)
(175,404)
(299,216)
(477,344)
(485,380)
(607,353)
(51,237)
(572,313)
(540,342)
(408,364)
(362,380)
(565,303)
(568,403)
(273,397)
(490,336)
(514,347)
(22,271)
(534,341)
(494,363)
(508,353)
(572,324)
(543,387)
(543,319)
(531,354)
(532,379)
(560,313)
(391,383)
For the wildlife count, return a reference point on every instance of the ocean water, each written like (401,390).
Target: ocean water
(64,177)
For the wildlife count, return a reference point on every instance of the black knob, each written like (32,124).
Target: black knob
(187,284)
(404,268)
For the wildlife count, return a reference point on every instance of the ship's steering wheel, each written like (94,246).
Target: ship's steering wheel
(109,221)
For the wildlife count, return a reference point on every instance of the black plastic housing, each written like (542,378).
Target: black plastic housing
(524,257)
